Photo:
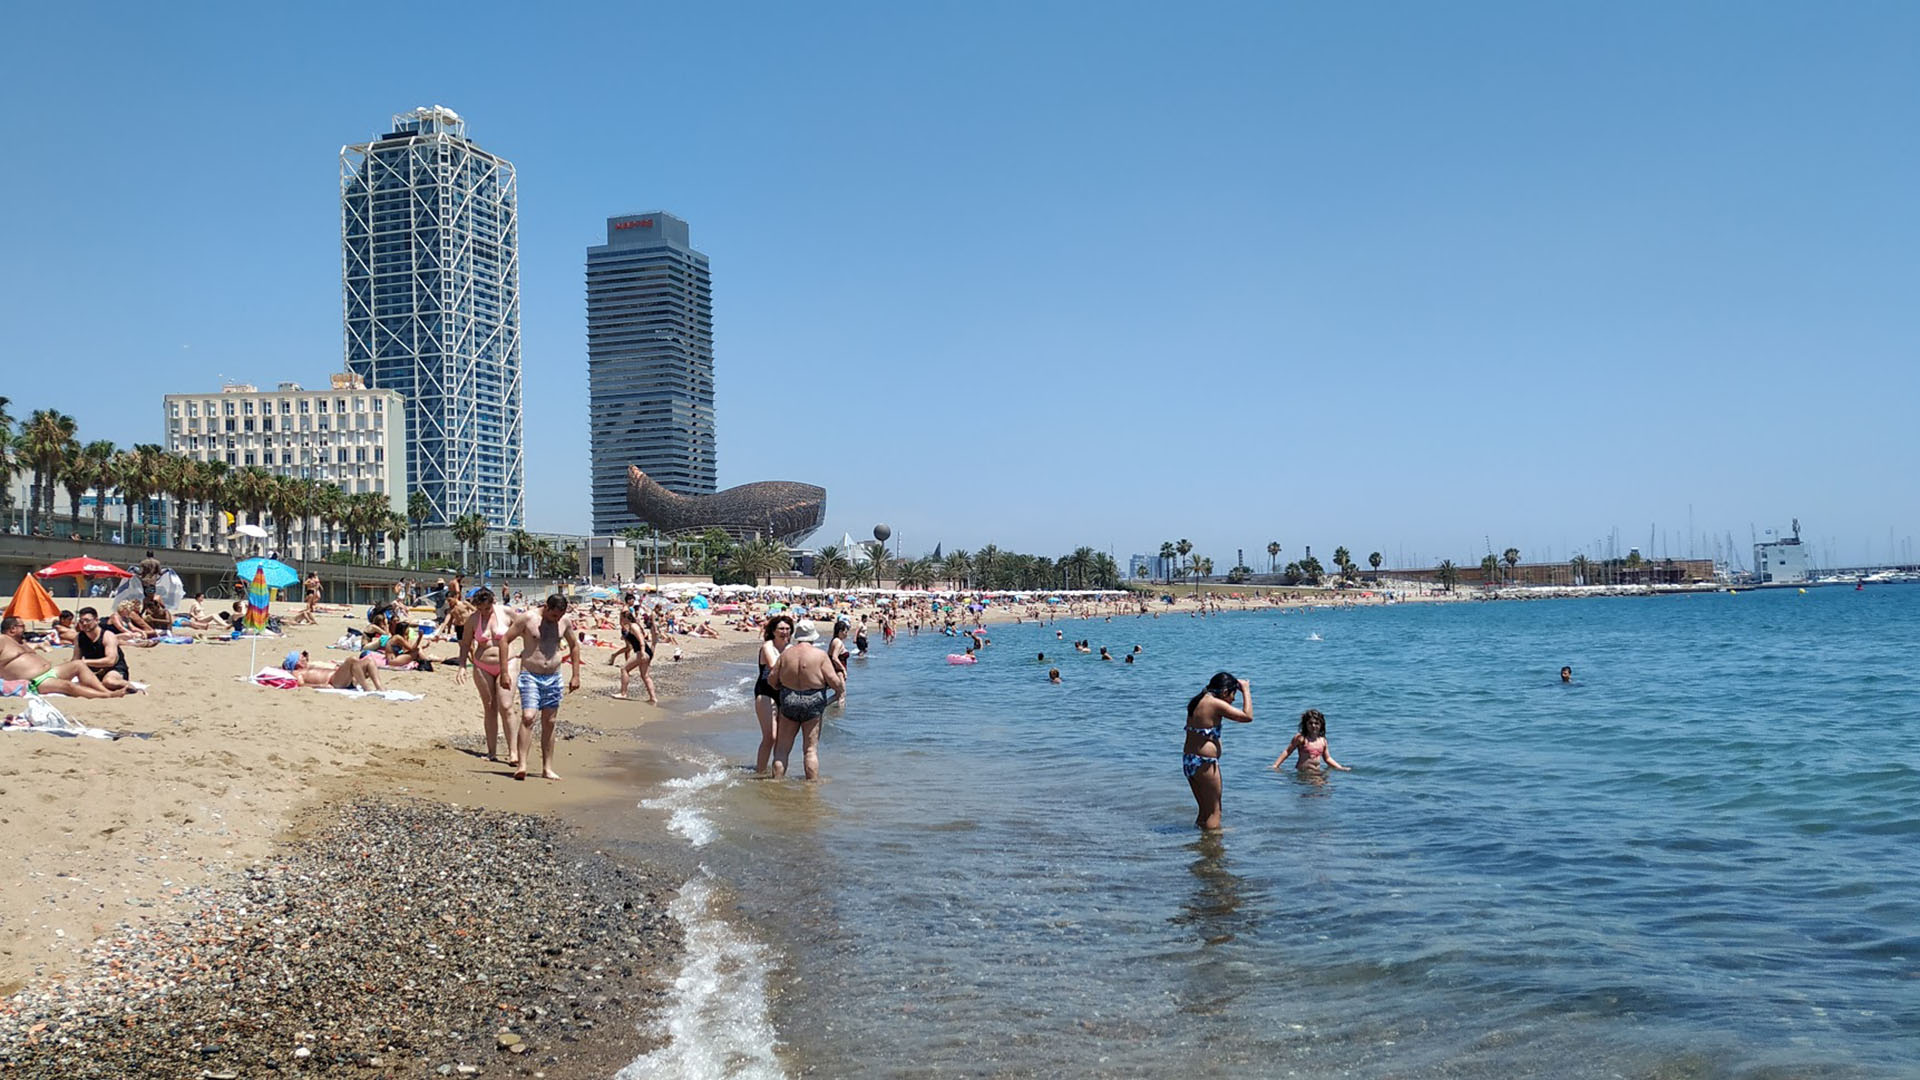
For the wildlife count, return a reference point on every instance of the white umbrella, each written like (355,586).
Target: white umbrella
(250,529)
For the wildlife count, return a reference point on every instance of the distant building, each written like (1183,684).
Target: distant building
(1150,567)
(649,364)
(347,435)
(430,278)
(1781,561)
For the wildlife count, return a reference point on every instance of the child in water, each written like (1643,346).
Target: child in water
(1312,744)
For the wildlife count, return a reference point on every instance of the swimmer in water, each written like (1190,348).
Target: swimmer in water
(1053,675)
(1312,744)
(1104,654)
(1566,674)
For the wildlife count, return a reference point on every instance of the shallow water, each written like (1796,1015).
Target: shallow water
(1700,859)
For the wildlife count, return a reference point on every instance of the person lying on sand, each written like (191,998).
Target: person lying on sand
(353,673)
(24,671)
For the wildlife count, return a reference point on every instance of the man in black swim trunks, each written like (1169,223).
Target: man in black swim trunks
(806,682)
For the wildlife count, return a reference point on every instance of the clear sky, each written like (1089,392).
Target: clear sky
(1409,277)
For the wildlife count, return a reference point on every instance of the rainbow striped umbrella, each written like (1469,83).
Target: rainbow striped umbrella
(257,600)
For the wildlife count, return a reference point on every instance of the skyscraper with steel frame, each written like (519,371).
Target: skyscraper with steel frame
(430,277)
(649,364)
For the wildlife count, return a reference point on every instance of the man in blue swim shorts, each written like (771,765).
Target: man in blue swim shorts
(541,636)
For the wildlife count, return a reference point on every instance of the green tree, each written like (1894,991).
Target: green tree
(1184,548)
(43,442)
(830,566)
(1490,568)
(957,565)
(470,530)
(877,555)
(1374,561)
(1167,553)
(1447,574)
(79,472)
(419,512)
(1512,558)
(1273,553)
(520,544)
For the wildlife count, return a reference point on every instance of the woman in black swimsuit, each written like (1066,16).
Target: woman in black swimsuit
(773,642)
(642,658)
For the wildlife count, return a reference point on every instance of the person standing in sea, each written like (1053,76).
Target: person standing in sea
(1200,760)
(806,682)
(773,641)
(539,681)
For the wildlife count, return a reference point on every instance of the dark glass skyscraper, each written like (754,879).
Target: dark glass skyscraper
(649,363)
(430,264)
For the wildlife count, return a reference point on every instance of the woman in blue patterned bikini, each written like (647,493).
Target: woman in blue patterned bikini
(1206,713)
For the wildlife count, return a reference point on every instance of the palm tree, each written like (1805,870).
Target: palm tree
(987,568)
(331,508)
(1343,560)
(1447,574)
(1184,548)
(397,529)
(137,472)
(471,531)
(520,545)
(1106,571)
(1374,561)
(1512,558)
(78,472)
(542,555)
(877,554)
(210,487)
(1167,552)
(830,565)
(9,460)
(43,442)
(1079,566)
(419,512)
(957,565)
(1490,567)
(1202,567)
(1273,552)
(1580,564)
(284,499)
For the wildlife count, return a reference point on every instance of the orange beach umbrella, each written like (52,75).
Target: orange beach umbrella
(31,602)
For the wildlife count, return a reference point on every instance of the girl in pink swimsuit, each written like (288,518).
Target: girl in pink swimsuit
(500,709)
(1312,744)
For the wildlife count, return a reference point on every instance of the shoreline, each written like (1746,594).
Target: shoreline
(241,793)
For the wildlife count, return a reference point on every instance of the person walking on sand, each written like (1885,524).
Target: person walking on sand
(1201,758)
(541,636)
(806,682)
(773,641)
(481,638)
(641,659)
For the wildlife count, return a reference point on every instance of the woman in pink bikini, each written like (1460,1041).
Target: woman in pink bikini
(499,709)
(1312,744)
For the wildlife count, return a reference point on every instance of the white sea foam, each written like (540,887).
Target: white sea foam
(731,696)
(716,1021)
(688,799)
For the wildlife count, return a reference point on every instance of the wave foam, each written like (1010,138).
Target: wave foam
(731,697)
(716,1021)
(686,803)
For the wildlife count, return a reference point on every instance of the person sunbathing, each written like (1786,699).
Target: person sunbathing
(393,639)
(197,617)
(353,673)
(24,671)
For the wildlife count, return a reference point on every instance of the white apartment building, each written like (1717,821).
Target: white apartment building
(347,435)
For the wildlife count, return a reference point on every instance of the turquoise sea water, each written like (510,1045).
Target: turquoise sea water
(1700,859)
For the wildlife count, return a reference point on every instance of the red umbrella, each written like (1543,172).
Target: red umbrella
(81,567)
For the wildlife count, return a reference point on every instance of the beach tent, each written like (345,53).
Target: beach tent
(168,588)
(32,602)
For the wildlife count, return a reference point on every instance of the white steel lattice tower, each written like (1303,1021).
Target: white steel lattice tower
(430,265)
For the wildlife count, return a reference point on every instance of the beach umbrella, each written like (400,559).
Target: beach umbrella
(256,622)
(278,574)
(32,602)
(250,529)
(81,567)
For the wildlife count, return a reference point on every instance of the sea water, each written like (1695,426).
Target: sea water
(1701,858)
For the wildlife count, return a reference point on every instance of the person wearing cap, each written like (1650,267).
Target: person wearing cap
(805,681)
(353,673)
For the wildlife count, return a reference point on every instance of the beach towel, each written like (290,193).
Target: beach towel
(42,716)
(275,679)
(174,639)
(386,695)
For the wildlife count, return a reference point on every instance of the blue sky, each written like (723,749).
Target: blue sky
(1406,277)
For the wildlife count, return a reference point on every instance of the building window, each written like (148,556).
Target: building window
(340,405)
(325,422)
(173,408)
(246,408)
(247,424)
(286,407)
(193,408)
(377,403)
(359,404)
(323,406)
(229,426)
(229,408)
(232,458)
(379,453)
(303,406)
